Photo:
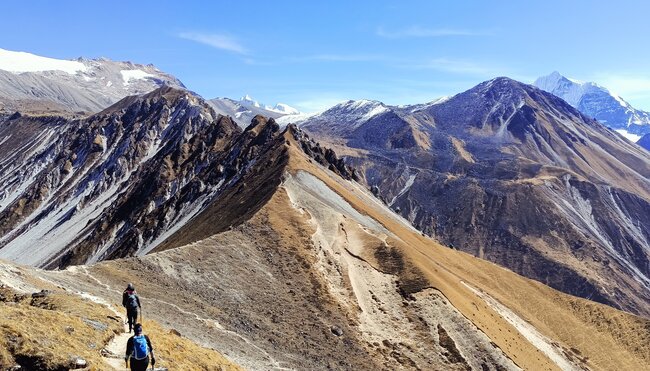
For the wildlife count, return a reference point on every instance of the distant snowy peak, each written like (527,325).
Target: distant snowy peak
(285,109)
(244,109)
(246,100)
(29,82)
(598,102)
(363,109)
(571,90)
(351,114)
(343,117)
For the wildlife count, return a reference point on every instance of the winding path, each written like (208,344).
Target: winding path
(114,351)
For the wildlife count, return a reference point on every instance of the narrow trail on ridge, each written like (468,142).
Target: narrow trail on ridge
(113,352)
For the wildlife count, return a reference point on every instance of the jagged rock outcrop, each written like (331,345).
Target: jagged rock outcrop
(324,156)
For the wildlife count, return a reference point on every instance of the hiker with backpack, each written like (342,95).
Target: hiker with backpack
(139,350)
(131,302)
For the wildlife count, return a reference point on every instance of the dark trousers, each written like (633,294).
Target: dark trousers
(132,317)
(139,364)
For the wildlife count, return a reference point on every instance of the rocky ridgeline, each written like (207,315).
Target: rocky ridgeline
(324,156)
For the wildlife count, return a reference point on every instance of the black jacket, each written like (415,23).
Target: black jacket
(125,298)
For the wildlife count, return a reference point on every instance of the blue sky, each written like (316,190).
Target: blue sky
(312,54)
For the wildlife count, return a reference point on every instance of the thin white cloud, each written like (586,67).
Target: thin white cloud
(218,41)
(458,66)
(417,31)
(467,68)
(337,58)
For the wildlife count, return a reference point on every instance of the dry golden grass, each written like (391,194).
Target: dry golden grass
(176,352)
(48,333)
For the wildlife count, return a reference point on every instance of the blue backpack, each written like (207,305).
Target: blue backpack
(140,347)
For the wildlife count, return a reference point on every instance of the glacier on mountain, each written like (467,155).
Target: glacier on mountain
(598,102)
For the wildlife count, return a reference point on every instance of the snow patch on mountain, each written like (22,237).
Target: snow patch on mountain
(247,100)
(285,108)
(20,62)
(31,83)
(629,136)
(128,75)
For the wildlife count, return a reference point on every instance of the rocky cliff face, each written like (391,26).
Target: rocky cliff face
(516,176)
(119,182)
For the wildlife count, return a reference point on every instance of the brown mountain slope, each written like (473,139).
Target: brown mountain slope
(320,274)
(516,176)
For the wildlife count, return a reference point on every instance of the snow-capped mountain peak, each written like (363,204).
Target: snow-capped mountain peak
(246,108)
(284,108)
(30,82)
(247,100)
(281,108)
(598,102)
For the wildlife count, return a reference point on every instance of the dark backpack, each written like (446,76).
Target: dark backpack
(132,302)
(140,347)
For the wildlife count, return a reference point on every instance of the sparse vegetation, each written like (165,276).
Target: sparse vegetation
(51,331)
(55,330)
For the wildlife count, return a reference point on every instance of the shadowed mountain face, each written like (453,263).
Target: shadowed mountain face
(644,142)
(119,182)
(122,181)
(517,176)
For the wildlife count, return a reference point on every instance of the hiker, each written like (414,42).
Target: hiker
(131,302)
(138,350)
